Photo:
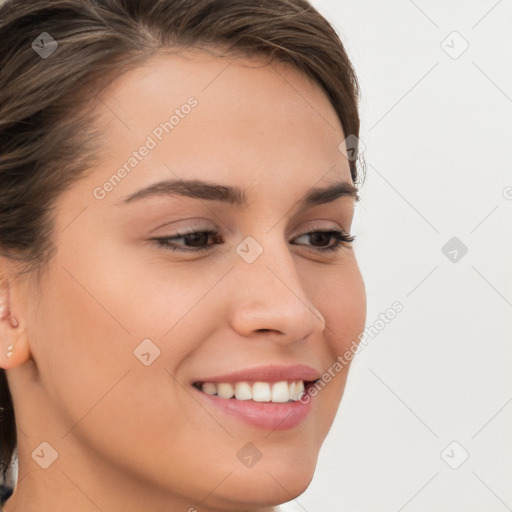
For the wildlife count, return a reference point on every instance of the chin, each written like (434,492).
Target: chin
(267,485)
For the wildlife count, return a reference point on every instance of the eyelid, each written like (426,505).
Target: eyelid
(315,226)
(190,226)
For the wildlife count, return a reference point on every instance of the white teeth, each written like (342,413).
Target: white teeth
(243,391)
(209,388)
(225,390)
(298,391)
(261,392)
(278,392)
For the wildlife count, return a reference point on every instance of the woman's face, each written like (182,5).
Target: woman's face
(126,329)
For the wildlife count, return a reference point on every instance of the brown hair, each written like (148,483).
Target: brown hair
(43,145)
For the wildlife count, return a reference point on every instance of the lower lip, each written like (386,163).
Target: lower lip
(265,415)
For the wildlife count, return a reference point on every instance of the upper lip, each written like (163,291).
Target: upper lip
(270,373)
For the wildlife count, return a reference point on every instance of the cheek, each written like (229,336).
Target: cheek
(98,308)
(80,347)
(342,301)
(341,298)
(89,372)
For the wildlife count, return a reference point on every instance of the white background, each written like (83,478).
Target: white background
(438,136)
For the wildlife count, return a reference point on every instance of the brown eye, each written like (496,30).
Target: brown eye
(194,240)
(340,237)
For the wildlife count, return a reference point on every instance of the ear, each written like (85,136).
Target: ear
(14,348)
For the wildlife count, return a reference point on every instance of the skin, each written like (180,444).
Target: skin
(129,437)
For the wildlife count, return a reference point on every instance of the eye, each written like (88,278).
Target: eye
(195,238)
(340,238)
(196,241)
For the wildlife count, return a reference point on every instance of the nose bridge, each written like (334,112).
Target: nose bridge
(271,295)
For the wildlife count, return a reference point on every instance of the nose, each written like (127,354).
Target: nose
(269,299)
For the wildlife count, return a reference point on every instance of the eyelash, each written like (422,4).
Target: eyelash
(341,238)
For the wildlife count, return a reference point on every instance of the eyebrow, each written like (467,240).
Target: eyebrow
(235,196)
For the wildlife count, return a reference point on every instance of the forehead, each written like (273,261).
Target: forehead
(165,77)
(251,120)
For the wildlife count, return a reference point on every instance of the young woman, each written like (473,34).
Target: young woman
(177,276)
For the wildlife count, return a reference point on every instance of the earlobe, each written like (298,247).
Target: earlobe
(14,349)
(13,346)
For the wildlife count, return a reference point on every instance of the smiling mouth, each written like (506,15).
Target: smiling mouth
(257,391)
